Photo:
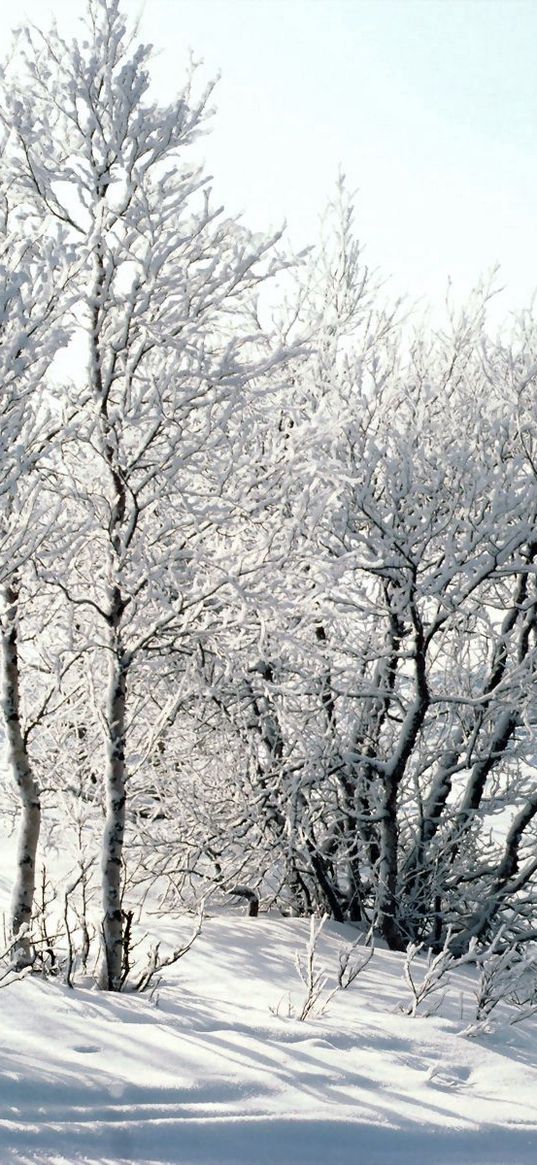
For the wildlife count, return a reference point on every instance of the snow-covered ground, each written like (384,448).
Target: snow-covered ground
(207,1073)
(212,1070)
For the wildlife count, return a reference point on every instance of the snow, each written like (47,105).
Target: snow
(212,1070)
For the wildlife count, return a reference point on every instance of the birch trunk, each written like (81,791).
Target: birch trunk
(388,870)
(114,829)
(23,776)
(115,771)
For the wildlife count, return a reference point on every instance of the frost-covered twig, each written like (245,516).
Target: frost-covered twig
(505,977)
(313,977)
(157,962)
(433,980)
(11,971)
(352,961)
(79,880)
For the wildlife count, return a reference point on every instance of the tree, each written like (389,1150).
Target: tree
(426,566)
(166,310)
(384,686)
(34,268)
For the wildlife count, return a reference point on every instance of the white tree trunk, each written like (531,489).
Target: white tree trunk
(28,789)
(114,830)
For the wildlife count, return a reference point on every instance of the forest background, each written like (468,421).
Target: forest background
(267,547)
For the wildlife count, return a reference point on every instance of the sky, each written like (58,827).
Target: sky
(428,106)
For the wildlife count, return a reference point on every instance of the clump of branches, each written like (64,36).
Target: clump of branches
(352,959)
(434,980)
(11,969)
(314,978)
(506,976)
(149,976)
(77,954)
(62,933)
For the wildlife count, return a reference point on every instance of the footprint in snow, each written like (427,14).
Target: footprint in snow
(453,1079)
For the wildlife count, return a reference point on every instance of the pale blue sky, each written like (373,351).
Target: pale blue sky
(430,107)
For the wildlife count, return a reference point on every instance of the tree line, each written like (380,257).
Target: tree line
(267,548)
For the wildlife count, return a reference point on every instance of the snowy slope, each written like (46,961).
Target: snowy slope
(207,1073)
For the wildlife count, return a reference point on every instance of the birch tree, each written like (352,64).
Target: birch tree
(166,311)
(34,269)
